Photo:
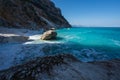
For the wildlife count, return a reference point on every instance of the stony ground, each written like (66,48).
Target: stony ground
(63,67)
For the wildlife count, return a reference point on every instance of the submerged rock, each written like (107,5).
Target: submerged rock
(63,67)
(48,35)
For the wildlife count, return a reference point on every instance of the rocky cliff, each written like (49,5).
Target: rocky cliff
(31,14)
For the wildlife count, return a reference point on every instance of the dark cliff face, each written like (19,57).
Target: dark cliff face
(31,14)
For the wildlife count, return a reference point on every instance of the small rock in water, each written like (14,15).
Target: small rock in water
(48,35)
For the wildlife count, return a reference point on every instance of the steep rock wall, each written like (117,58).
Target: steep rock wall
(31,14)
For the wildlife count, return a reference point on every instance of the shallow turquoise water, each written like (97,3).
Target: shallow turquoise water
(89,44)
(85,43)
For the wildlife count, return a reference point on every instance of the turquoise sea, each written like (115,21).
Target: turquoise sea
(89,43)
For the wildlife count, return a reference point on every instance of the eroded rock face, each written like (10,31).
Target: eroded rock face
(31,14)
(63,67)
(48,35)
(33,69)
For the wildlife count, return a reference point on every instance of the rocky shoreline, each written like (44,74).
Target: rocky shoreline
(63,67)
(56,67)
(27,57)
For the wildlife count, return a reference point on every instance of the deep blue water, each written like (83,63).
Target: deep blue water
(89,43)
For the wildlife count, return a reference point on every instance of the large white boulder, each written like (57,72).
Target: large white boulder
(48,35)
